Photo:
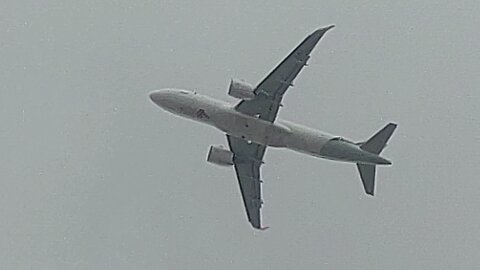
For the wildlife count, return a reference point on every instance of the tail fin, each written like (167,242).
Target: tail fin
(374,145)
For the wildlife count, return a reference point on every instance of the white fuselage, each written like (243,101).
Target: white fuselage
(284,134)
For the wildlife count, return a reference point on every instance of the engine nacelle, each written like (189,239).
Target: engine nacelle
(240,89)
(220,156)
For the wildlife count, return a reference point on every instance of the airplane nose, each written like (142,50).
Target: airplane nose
(158,97)
(154,96)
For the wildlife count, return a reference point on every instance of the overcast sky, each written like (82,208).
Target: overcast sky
(94,176)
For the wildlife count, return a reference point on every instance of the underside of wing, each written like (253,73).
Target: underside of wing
(247,161)
(269,93)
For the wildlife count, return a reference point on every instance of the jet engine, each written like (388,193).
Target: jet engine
(220,156)
(241,90)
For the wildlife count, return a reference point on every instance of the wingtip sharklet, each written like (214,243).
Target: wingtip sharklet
(322,30)
(326,28)
(262,228)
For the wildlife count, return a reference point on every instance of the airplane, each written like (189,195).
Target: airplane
(250,126)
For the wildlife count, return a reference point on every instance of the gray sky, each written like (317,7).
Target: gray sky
(94,176)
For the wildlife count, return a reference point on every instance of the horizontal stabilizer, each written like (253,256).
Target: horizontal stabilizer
(378,141)
(367,173)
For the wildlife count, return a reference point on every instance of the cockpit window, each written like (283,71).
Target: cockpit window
(184,92)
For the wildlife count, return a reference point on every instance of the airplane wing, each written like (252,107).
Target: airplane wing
(247,161)
(269,93)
